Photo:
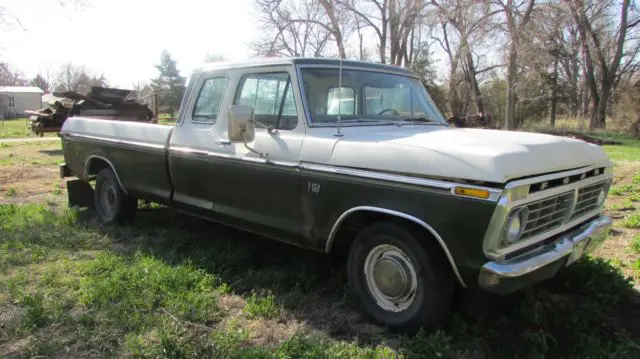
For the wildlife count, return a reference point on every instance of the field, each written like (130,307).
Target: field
(177,287)
(18,129)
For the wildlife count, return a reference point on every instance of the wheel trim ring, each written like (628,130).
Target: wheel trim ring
(393,253)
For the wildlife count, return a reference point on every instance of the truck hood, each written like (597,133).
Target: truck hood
(472,154)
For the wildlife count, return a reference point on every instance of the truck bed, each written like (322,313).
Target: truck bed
(137,150)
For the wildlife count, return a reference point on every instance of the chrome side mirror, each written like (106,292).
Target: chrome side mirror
(241,126)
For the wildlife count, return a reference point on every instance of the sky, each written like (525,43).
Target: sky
(123,39)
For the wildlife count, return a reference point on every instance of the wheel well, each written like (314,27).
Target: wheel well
(96,165)
(356,221)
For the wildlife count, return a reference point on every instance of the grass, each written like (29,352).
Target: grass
(632,221)
(163,288)
(635,244)
(264,307)
(17,128)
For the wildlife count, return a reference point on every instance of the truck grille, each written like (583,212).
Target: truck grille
(587,199)
(553,212)
(547,214)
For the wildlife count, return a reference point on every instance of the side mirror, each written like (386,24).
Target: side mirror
(241,125)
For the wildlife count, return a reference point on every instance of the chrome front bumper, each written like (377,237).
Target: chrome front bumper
(510,276)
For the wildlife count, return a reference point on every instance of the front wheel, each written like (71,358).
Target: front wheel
(400,279)
(112,204)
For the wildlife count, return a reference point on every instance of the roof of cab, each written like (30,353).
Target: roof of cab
(275,61)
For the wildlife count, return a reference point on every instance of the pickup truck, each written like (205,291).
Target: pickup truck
(352,157)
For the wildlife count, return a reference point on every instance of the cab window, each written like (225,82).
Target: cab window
(209,99)
(271,96)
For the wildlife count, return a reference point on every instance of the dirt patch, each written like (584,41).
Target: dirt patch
(618,245)
(623,172)
(232,304)
(29,173)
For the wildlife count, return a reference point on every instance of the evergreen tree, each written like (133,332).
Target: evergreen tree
(169,85)
(41,82)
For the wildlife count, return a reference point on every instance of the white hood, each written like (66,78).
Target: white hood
(474,154)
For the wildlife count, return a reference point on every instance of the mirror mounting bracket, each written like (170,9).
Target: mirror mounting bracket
(261,154)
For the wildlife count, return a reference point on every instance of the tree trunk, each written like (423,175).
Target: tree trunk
(554,92)
(598,120)
(472,77)
(335,27)
(509,116)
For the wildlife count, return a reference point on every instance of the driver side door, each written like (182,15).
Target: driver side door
(266,192)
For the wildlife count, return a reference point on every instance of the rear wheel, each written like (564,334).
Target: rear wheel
(112,204)
(399,279)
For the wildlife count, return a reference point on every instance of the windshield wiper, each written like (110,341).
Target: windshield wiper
(363,120)
(423,119)
(419,119)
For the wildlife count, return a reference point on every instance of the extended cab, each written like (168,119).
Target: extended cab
(352,156)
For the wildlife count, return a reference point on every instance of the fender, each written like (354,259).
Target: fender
(113,168)
(411,218)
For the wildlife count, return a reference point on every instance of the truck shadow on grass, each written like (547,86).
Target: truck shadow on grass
(589,309)
(57,152)
(73,285)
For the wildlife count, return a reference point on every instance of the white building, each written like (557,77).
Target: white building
(15,100)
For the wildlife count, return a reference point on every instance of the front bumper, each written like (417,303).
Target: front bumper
(508,277)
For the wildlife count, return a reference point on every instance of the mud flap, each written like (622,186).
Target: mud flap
(80,194)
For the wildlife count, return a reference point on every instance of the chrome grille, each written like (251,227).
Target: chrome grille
(587,199)
(547,214)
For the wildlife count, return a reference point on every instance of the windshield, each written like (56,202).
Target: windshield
(366,96)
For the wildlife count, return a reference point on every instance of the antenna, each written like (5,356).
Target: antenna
(339,134)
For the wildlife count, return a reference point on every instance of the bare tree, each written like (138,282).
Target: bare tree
(211,57)
(77,78)
(516,16)
(462,25)
(293,28)
(603,40)
(11,77)
(8,19)
(394,22)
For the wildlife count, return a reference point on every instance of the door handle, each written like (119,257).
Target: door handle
(224,142)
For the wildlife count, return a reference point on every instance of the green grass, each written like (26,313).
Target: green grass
(15,128)
(622,189)
(71,288)
(264,307)
(632,221)
(629,150)
(635,243)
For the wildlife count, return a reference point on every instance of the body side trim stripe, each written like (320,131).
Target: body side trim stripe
(233,157)
(113,168)
(114,140)
(435,234)
(494,194)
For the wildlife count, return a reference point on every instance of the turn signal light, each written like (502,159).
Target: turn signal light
(472,192)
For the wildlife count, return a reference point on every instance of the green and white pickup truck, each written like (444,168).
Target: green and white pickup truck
(352,156)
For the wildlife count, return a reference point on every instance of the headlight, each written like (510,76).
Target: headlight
(515,225)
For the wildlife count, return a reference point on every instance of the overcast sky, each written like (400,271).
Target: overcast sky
(123,38)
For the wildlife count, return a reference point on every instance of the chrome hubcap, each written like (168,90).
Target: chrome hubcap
(391,277)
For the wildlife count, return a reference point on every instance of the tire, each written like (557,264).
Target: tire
(113,206)
(404,253)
